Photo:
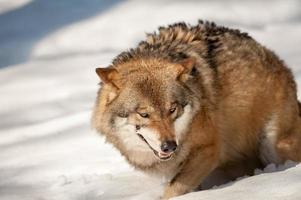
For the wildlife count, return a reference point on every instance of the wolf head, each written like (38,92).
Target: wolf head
(147,105)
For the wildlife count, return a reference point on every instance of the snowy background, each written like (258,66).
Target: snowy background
(48,52)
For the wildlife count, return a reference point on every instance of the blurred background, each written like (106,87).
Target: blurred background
(48,52)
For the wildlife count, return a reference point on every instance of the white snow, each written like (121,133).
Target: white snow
(8,5)
(48,86)
(270,185)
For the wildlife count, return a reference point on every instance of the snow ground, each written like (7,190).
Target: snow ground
(48,87)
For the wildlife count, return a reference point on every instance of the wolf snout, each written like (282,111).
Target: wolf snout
(169,146)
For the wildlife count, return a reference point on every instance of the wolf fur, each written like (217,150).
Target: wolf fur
(229,104)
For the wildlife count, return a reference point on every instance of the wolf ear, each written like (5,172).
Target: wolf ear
(187,69)
(108,75)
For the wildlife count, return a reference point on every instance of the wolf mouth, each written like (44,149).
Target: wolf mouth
(161,156)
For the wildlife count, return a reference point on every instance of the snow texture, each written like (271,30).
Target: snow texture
(48,52)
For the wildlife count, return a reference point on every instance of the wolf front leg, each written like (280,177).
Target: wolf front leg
(199,164)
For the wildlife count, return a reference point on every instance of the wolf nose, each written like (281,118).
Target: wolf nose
(169,146)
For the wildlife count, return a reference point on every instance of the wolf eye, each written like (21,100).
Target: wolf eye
(123,115)
(144,115)
(172,110)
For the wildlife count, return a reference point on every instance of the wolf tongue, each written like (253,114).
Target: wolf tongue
(163,154)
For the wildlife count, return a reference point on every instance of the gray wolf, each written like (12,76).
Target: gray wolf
(192,100)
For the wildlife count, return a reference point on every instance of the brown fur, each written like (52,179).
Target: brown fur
(245,112)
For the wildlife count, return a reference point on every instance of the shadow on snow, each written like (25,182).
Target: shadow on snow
(23,27)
